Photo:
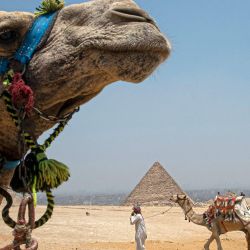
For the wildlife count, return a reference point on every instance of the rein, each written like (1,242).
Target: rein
(164,212)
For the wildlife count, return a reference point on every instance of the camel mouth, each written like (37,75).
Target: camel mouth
(160,52)
(132,61)
(153,41)
(160,46)
(163,50)
(131,66)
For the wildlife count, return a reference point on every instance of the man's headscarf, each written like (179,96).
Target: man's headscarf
(137,209)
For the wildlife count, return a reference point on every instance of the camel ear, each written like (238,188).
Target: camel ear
(13,27)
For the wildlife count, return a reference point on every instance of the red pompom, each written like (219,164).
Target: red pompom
(22,94)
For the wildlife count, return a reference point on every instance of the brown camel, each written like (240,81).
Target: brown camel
(218,225)
(90,46)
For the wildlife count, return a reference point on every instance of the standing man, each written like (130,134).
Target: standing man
(140,228)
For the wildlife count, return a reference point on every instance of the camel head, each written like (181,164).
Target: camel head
(179,198)
(90,46)
(184,202)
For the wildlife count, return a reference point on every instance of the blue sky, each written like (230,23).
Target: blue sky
(192,115)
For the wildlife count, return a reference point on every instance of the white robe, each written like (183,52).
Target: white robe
(140,231)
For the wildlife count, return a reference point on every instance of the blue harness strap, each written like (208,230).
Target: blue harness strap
(10,165)
(4,65)
(31,41)
(41,25)
(34,37)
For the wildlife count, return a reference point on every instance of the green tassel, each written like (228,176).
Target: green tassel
(47,173)
(48,6)
(34,193)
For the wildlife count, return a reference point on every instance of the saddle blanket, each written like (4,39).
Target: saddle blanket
(225,204)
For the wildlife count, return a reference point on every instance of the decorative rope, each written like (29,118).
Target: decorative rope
(48,213)
(58,130)
(27,137)
(22,230)
(20,96)
(51,117)
(44,218)
(5,212)
(43,173)
(10,108)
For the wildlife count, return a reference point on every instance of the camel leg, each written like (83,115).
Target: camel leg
(248,239)
(215,235)
(210,240)
(217,238)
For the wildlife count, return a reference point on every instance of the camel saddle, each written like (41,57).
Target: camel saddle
(242,209)
(228,206)
(225,204)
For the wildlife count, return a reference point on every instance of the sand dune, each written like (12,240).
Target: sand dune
(108,228)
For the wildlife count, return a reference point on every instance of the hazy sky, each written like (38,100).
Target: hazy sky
(192,115)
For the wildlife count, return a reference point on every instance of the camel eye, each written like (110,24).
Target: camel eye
(8,36)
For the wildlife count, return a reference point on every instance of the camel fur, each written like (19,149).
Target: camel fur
(90,46)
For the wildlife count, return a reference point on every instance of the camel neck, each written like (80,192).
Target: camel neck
(191,214)
(195,218)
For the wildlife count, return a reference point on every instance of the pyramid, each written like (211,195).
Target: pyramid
(154,189)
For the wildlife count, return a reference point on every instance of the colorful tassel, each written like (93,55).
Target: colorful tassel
(45,173)
(22,94)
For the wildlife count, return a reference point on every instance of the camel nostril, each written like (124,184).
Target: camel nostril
(132,14)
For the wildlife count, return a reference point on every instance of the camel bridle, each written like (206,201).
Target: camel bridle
(13,69)
(181,201)
(19,101)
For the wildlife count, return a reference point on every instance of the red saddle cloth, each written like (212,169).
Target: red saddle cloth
(225,203)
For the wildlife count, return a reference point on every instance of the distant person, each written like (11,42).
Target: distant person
(136,219)
(242,194)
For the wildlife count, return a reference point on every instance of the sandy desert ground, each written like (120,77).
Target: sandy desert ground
(108,228)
